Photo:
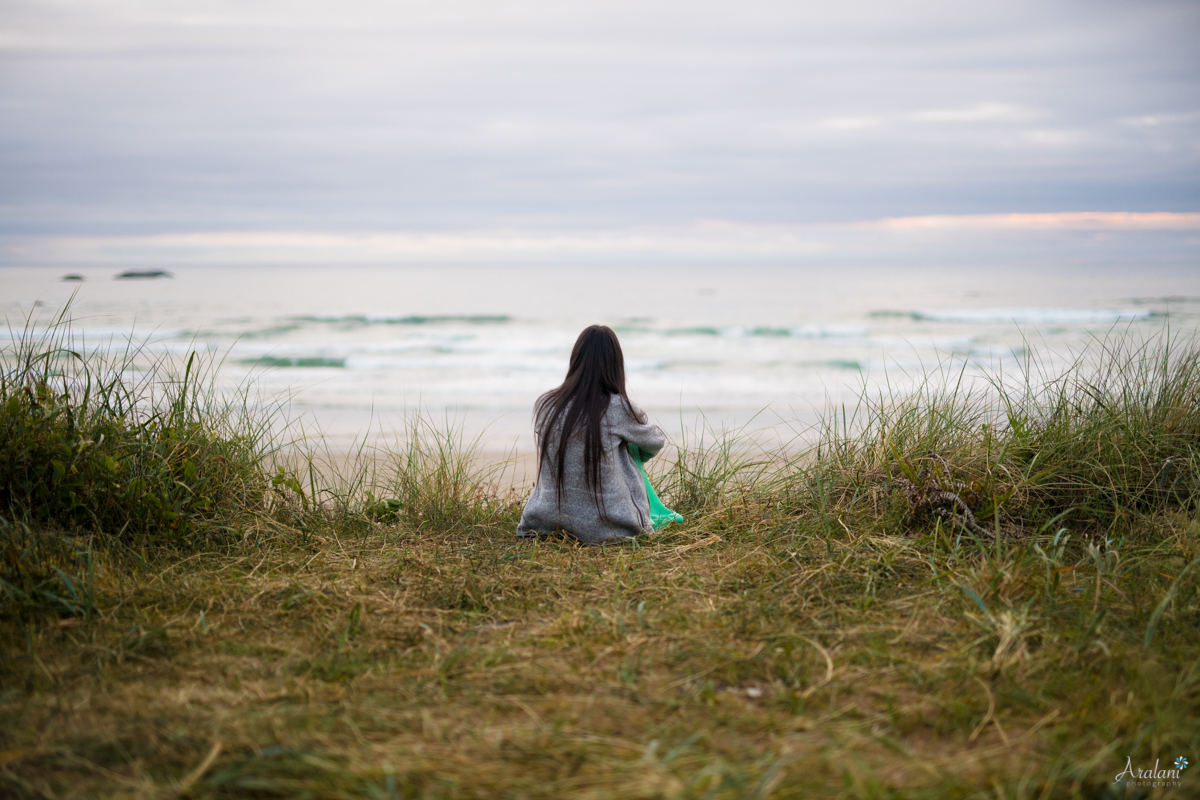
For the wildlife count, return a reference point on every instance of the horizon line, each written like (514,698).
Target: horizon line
(704,238)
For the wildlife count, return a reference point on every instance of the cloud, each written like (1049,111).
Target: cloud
(139,117)
(1154,120)
(979,112)
(1059,221)
(851,123)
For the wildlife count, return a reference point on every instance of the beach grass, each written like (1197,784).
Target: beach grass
(971,590)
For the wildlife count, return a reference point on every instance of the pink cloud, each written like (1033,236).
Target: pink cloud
(1063,220)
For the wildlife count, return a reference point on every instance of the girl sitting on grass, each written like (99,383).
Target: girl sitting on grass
(588,484)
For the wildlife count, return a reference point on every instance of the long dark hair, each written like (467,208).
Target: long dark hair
(596,372)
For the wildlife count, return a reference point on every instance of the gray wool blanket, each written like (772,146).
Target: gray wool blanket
(626,507)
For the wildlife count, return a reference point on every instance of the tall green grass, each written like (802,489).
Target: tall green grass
(428,476)
(708,466)
(112,444)
(1111,440)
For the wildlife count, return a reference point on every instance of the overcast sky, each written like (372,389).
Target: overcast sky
(142,117)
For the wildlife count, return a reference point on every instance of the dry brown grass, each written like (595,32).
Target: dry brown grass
(741,656)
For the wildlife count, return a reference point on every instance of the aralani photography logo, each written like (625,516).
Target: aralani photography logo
(1151,777)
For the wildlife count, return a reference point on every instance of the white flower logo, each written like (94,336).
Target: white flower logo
(1181,763)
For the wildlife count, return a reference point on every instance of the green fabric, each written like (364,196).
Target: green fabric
(660,515)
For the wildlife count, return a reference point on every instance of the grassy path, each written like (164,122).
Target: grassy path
(746,657)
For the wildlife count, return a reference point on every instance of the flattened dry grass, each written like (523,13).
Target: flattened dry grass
(750,657)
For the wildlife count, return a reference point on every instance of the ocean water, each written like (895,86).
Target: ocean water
(355,349)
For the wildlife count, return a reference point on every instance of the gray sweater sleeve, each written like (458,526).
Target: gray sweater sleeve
(649,438)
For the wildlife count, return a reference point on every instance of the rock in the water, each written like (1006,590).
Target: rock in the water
(144,273)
